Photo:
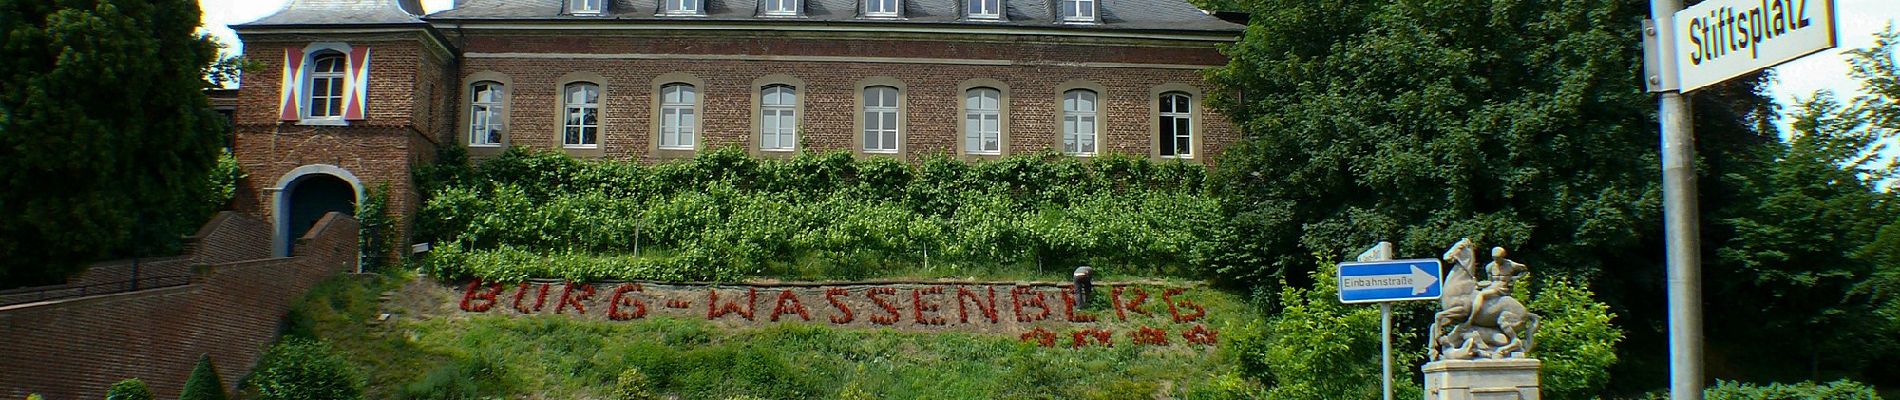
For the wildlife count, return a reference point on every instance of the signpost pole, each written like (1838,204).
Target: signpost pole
(1385,344)
(1679,213)
(1383,252)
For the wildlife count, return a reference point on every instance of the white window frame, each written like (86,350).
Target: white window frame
(679,120)
(1170,116)
(874,111)
(1083,11)
(885,9)
(984,9)
(589,7)
(1075,118)
(580,126)
(487,116)
(788,8)
(975,136)
(333,100)
(781,134)
(682,7)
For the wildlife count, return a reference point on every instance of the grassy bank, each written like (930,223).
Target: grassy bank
(417,355)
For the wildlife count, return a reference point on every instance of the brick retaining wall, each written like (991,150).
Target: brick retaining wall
(75,348)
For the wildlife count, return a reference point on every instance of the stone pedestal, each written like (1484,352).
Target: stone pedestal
(1512,379)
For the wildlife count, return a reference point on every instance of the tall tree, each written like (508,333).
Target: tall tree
(105,135)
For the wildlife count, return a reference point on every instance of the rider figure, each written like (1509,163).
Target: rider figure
(1503,275)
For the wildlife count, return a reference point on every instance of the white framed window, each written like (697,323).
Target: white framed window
(985,9)
(778,119)
(983,121)
(1177,125)
(681,7)
(1078,10)
(326,86)
(880,119)
(583,6)
(882,8)
(781,7)
(485,113)
(1078,122)
(677,116)
(581,126)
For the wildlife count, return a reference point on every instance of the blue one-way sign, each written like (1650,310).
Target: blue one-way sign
(1396,280)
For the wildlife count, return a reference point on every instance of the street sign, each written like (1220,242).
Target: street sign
(1721,39)
(1395,280)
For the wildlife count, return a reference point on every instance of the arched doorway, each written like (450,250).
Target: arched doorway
(304,195)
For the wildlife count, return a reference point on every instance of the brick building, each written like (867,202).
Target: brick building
(353,94)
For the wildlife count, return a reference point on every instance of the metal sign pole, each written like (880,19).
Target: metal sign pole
(1385,344)
(1679,211)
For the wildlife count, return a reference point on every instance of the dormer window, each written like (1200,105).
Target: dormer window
(986,9)
(584,7)
(781,8)
(682,7)
(882,8)
(1078,10)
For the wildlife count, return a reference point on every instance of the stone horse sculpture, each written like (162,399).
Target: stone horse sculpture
(1484,321)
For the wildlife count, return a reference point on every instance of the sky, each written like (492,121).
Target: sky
(1799,79)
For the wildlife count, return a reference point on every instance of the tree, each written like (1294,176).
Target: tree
(203,383)
(129,389)
(105,135)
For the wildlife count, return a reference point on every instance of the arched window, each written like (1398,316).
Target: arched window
(880,119)
(1078,122)
(1177,125)
(677,117)
(778,119)
(326,86)
(485,113)
(581,128)
(983,121)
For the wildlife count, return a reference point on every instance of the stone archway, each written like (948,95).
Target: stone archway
(305,195)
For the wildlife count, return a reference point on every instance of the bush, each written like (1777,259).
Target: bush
(129,389)
(1836,390)
(725,216)
(203,383)
(634,385)
(304,369)
(1576,340)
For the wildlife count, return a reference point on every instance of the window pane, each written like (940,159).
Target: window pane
(991,124)
(770,122)
(336,106)
(1167,104)
(572,136)
(890,120)
(890,140)
(587,134)
(589,116)
(1185,145)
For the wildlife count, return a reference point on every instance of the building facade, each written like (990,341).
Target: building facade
(354,94)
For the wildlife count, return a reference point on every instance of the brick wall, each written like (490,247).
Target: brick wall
(1034,77)
(76,348)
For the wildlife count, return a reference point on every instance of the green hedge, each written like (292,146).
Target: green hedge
(724,215)
(1837,390)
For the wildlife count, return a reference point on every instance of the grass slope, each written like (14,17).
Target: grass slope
(457,356)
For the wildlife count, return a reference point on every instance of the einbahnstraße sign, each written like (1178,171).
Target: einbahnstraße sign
(1721,39)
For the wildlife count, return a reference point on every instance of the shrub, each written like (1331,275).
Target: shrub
(303,369)
(129,389)
(634,385)
(1576,340)
(203,383)
(1836,390)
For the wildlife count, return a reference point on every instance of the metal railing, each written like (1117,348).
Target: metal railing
(56,292)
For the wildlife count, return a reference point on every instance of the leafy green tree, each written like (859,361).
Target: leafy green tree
(105,135)
(203,383)
(129,389)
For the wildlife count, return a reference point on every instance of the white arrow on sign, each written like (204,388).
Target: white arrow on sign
(1418,280)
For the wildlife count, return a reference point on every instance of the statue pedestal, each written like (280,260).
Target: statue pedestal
(1509,379)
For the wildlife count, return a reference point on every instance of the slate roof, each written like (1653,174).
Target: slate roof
(337,12)
(1135,15)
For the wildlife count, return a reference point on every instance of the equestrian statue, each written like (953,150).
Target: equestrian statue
(1480,319)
